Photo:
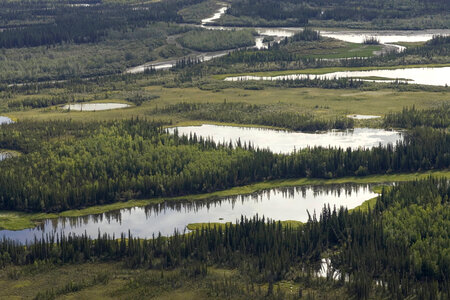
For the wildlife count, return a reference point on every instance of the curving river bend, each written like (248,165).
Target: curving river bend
(387,38)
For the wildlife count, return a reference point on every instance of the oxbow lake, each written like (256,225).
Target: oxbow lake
(280,141)
(387,37)
(277,204)
(427,76)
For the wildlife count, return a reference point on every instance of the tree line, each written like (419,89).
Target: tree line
(77,24)
(232,112)
(299,13)
(40,102)
(70,165)
(215,40)
(435,50)
(438,117)
(383,253)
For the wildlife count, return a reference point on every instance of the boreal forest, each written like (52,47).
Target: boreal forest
(225,149)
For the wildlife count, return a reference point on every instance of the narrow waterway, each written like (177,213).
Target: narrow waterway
(386,37)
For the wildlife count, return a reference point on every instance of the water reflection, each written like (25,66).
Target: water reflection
(291,203)
(5,155)
(385,36)
(280,141)
(427,76)
(94,106)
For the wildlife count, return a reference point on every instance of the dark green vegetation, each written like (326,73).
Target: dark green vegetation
(103,38)
(382,14)
(303,54)
(384,252)
(120,49)
(214,40)
(242,113)
(60,22)
(73,165)
(99,161)
(411,117)
(306,35)
(39,102)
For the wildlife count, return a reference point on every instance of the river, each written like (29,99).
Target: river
(386,37)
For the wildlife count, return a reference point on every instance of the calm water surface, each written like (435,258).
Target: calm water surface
(279,33)
(427,76)
(276,204)
(363,117)
(5,120)
(386,36)
(95,106)
(4,155)
(280,141)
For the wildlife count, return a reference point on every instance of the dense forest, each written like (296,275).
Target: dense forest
(385,252)
(242,113)
(292,12)
(57,52)
(215,40)
(68,164)
(438,46)
(438,117)
(65,23)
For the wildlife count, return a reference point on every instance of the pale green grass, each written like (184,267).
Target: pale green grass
(323,103)
(198,226)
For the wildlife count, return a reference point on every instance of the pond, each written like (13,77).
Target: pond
(5,155)
(385,36)
(5,120)
(292,203)
(95,106)
(427,76)
(363,117)
(280,141)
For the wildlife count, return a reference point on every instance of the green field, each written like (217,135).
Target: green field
(100,280)
(326,103)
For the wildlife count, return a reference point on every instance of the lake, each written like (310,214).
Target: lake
(292,203)
(363,117)
(95,106)
(280,141)
(427,76)
(5,155)
(5,120)
(386,37)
